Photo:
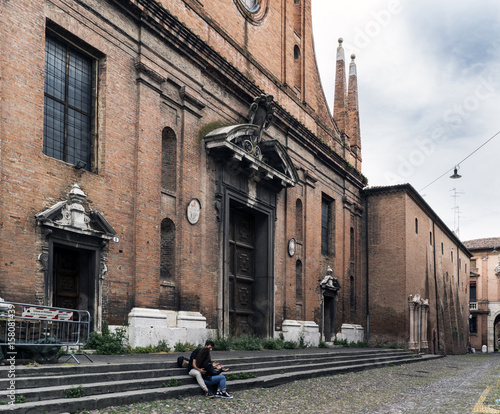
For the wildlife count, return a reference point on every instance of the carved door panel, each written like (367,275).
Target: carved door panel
(241,273)
(71,279)
(66,278)
(329,318)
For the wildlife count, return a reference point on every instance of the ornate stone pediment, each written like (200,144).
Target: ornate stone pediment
(260,160)
(70,215)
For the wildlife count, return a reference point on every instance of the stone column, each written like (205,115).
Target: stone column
(413,304)
(424,344)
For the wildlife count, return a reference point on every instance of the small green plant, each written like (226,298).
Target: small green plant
(184,347)
(162,346)
(302,341)
(240,376)
(323,344)
(271,343)
(222,344)
(344,343)
(20,399)
(107,342)
(3,402)
(246,343)
(282,371)
(33,364)
(173,382)
(205,129)
(74,392)
(142,350)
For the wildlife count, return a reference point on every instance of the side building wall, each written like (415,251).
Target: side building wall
(422,274)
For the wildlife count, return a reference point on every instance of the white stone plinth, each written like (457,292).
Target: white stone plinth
(150,326)
(293,330)
(352,333)
(146,327)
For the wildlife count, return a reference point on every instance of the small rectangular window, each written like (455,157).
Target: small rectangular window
(473,325)
(472,292)
(327,212)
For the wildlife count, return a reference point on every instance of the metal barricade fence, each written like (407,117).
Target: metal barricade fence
(26,325)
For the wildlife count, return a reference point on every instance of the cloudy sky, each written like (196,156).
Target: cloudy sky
(429,96)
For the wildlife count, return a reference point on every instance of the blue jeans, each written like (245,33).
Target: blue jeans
(219,380)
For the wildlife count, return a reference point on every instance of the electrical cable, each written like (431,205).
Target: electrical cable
(451,169)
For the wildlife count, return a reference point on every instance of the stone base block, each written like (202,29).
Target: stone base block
(351,333)
(146,327)
(150,326)
(294,330)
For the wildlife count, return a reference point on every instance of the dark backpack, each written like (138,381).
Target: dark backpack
(182,362)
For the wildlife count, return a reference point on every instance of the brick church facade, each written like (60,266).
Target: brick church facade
(173,165)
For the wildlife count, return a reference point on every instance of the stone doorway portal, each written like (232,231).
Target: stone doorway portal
(73,243)
(251,172)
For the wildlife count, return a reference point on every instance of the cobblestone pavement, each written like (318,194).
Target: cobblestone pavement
(451,385)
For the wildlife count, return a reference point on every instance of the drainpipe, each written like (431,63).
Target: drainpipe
(367,267)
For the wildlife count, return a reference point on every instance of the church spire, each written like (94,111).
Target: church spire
(353,111)
(340,104)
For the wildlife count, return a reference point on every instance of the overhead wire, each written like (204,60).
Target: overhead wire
(451,169)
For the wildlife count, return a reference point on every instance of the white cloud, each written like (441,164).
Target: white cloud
(429,93)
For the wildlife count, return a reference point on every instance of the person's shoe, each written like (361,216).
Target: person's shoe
(209,394)
(223,394)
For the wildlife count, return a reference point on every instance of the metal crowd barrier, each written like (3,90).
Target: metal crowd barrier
(29,326)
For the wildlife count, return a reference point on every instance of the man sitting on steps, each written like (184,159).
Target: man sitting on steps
(196,370)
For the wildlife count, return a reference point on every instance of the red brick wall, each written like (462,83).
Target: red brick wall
(404,262)
(134,106)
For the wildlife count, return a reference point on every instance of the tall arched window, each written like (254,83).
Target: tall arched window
(299,222)
(353,292)
(297,67)
(299,293)
(169,160)
(167,253)
(168,295)
(352,248)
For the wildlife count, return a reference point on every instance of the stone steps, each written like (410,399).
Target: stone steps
(124,383)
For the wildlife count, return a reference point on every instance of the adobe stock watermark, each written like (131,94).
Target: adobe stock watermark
(11,356)
(381,19)
(452,120)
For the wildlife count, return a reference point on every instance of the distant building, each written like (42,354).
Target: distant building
(485,293)
(418,274)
